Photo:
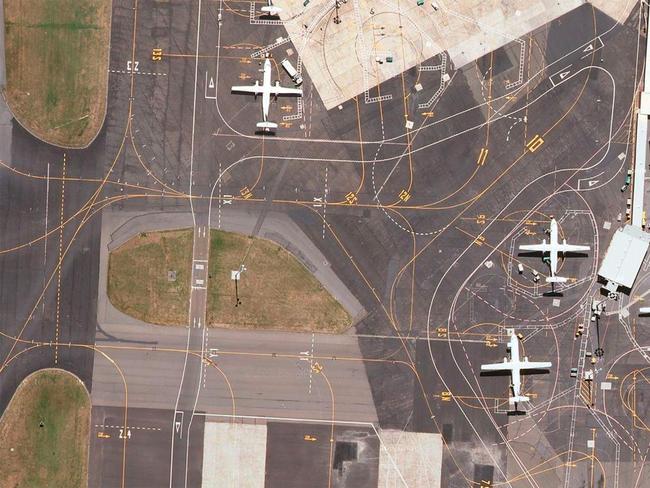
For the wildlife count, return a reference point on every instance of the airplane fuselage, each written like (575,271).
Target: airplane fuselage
(554,247)
(513,345)
(266,90)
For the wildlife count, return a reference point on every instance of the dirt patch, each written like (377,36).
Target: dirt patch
(57,67)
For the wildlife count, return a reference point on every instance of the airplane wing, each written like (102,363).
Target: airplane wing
(253,89)
(571,248)
(535,365)
(535,247)
(497,367)
(281,90)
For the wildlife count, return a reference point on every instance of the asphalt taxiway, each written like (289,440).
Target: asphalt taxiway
(420,224)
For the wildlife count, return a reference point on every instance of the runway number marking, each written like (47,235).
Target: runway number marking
(404,196)
(482,156)
(351,198)
(156,54)
(132,66)
(535,143)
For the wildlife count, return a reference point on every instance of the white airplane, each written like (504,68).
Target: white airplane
(271,9)
(516,367)
(266,89)
(553,248)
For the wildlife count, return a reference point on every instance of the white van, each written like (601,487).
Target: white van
(291,71)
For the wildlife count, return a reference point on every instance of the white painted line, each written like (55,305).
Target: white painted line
(47,202)
(562,74)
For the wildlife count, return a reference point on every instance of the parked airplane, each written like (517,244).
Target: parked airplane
(271,9)
(516,367)
(266,89)
(553,248)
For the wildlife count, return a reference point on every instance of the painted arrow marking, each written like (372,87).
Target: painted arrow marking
(178,422)
(592,47)
(561,74)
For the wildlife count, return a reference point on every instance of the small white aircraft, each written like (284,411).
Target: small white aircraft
(553,248)
(516,367)
(270,9)
(266,89)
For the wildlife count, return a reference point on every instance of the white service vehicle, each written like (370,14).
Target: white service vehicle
(266,89)
(553,248)
(291,71)
(516,367)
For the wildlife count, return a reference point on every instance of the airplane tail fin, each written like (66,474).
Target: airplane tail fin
(267,125)
(518,399)
(556,279)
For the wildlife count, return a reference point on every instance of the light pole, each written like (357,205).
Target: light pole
(235,275)
(337,19)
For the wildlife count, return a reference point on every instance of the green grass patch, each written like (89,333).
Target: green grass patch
(57,61)
(44,433)
(276,291)
(138,282)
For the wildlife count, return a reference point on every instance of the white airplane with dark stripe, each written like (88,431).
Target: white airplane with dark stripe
(516,368)
(266,89)
(553,248)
